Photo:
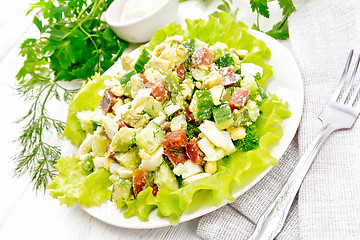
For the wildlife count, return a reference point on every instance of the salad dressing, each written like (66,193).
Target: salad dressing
(135,9)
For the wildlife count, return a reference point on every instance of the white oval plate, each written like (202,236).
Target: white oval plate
(286,82)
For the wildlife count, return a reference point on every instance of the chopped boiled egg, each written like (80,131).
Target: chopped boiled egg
(195,178)
(151,162)
(218,138)
(110,125)
(187,169)
(250,69)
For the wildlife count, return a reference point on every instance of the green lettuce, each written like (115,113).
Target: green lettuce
(86,99)
(69,187)
(74,184)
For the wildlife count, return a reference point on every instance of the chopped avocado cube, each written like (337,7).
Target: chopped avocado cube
(99,143)
(89,121)
(123,139)
(201,105)
(153,107)
(135,120)
(227,94)
(178,122)
(142,61)
(242,117)
(165,179)
(249,83)
(223,115)
(122,189)
(130,160)
(136,84)
(150,137)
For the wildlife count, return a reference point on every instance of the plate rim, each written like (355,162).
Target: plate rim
(184,217)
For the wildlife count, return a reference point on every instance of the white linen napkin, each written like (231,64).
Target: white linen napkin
(328,205)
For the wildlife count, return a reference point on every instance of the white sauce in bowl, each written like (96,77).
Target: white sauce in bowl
(135,9)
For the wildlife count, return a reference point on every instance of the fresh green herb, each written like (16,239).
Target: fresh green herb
(190,45)
(251,140)
(192,131)
(225,61)
(262,96)
(279,30)
(225,7)
(73,44)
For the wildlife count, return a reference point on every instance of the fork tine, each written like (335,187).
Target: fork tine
(354,94)
(348,88)
(342,79)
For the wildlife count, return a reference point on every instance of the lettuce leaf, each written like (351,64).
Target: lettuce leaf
(74,184)
(233,169)
(86,99)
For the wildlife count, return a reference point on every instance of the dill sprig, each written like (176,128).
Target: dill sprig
(74,43)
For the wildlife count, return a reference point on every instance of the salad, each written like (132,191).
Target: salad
(188,114)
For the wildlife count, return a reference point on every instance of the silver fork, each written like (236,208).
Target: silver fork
(339,113)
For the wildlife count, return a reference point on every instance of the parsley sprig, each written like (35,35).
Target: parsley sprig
(279,30)
(73,43)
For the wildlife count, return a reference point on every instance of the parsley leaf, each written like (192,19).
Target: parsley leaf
(74,43)
(260,6)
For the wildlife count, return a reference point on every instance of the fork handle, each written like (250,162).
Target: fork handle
(272,220)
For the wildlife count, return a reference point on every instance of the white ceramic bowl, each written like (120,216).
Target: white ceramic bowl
(141,29)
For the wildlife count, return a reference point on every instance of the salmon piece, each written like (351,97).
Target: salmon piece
(146,81)
(140,178)
(159,91)
(228,76)
(155,190)
(238,98)
(202,56)
(121,123)
(194,153)
(180,72)
(107,101)
(176,155)
(175,139)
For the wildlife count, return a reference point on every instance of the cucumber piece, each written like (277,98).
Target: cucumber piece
(150,137)
(178,122)
(142,61)
(99,143)
(172,85)
(130,160)
(165,179)
(153,107)
(201,105)
(87,162)
(123,139)
(125,78)
(122,189)
(223,115)
(127,89)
